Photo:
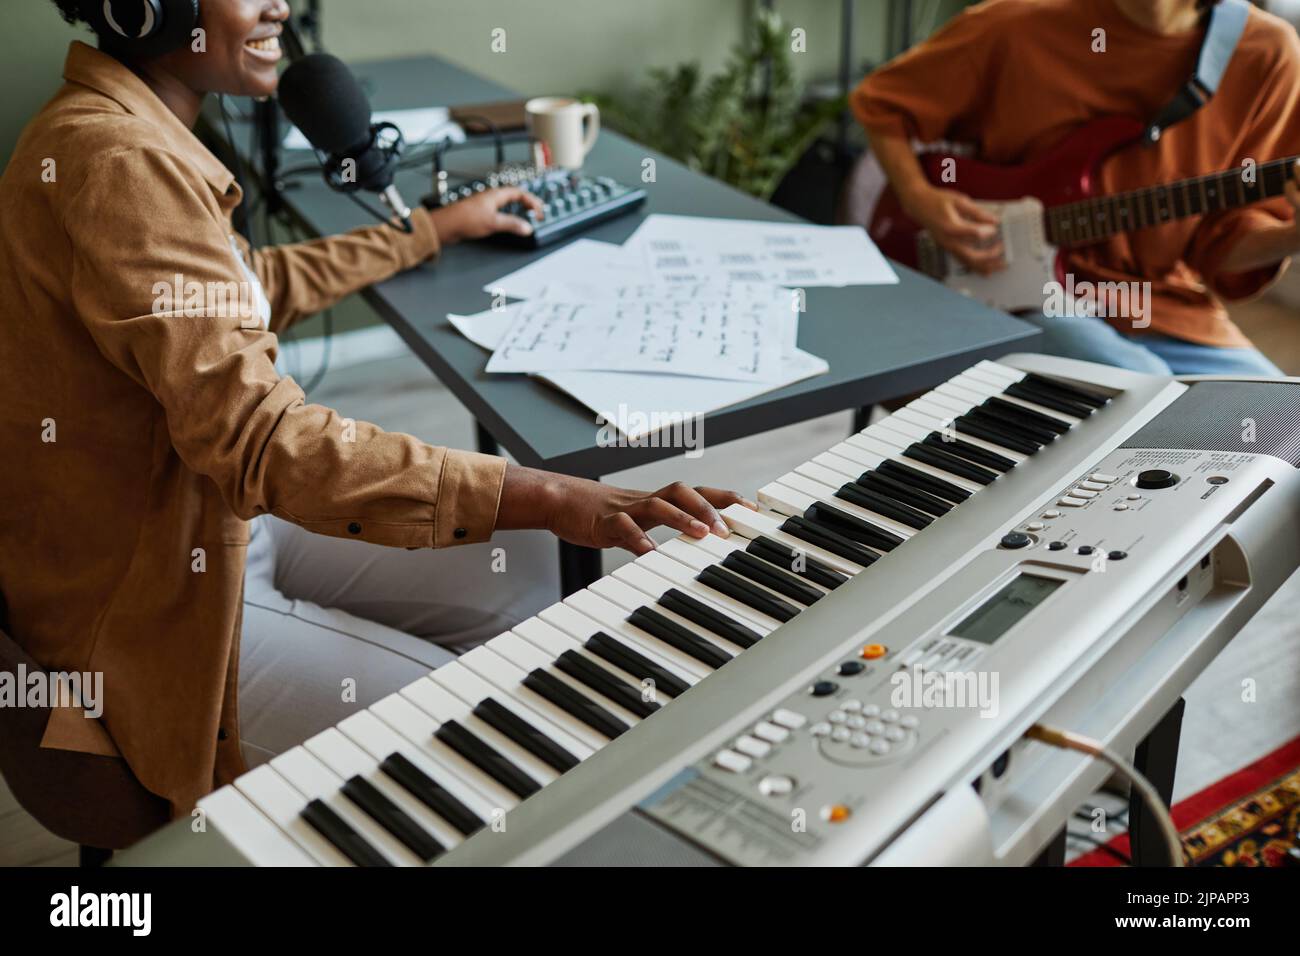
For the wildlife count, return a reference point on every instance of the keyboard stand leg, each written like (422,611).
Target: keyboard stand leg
(579,567)
(487,445)
(1156,758)
(1054,853)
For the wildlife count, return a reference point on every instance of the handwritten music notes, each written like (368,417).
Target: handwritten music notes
(721,334)
(690,249)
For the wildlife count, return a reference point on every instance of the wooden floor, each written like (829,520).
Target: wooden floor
(1221,732)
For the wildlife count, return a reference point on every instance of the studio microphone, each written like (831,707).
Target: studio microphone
(322,98)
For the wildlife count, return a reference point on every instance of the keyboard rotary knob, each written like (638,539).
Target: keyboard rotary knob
(1154,478)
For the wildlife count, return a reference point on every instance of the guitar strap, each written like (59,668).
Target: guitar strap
(1227,20)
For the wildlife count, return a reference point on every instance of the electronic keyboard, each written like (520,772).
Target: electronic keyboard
(847,678)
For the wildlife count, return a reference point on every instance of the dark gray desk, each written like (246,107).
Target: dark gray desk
(881,341)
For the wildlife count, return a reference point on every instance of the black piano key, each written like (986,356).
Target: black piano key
(1050,422)
(700,614)
(1031,394)
(602,681)
(829,540)
(322,818)
(751,595)
(901,491)
(1069,392)
(746,565)
(506,721)
(392,818)
(972,453)
(852,527)
(999,420)
(923,479)
(487,758)
(431,793)
(635,663)
(997,417)
(864,498)
(801,563)
(968,425)
(938,458)
(674,635)
(574,704)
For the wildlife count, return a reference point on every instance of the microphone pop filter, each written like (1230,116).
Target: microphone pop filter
(323,99)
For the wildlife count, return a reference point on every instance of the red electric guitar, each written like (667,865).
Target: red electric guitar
(1049,205)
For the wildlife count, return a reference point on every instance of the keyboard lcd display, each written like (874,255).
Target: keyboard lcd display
(1004,610)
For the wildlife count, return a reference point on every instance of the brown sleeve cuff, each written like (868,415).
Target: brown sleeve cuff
(1219,240)
(422,243)
(469,493)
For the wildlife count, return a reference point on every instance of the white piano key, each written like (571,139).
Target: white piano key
(493,667)
(845,468)
(584,612)
(718,546)
(277,799)
(998,370)
(939,403)
(473,689)
(252,832)
(419,728)
(827,476)
(442,705)
(380,740)
(342,755)
(968,393)
(315,781)
(751,524)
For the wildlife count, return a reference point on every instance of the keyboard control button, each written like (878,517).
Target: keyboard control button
(776,785)
(789,718)
(1103,478)
(732,762)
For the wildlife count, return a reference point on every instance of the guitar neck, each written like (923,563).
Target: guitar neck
(1092,220)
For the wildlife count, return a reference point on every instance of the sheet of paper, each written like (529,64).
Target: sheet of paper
(688,249)
(633,402)
(730,339)
(583,261)
(418,126)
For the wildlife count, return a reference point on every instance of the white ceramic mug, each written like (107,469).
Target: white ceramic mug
(567,127)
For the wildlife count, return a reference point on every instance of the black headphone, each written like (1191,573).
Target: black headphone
(142,28)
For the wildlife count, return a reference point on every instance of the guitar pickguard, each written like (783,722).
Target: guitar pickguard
(1030,259)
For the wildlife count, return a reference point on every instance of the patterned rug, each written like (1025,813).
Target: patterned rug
(1249,818)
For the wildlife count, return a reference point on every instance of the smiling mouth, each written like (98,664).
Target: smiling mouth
(268,47)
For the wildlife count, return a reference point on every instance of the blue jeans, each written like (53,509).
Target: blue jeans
(1092,340)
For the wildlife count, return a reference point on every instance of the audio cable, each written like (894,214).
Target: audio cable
(1068,740)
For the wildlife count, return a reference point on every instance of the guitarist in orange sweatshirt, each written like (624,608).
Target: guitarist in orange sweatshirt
(1014,77)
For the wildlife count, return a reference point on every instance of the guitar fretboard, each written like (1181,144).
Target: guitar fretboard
(1092,220)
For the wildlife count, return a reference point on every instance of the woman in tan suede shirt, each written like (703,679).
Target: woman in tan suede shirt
(142,432)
